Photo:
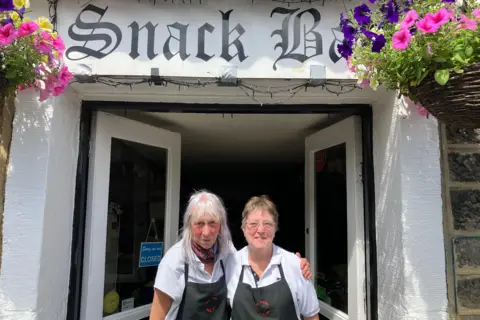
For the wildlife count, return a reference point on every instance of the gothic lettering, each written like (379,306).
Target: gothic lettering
(105,37)
(226,41)
(299,39)
(182,41)
(150,40)
(298,35)
(334,56)
(201,41)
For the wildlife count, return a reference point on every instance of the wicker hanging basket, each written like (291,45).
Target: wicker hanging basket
(457,102)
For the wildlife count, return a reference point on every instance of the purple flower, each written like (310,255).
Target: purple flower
(391,13)
(6,5)
(362,14)
(6,21)
(448,1)
(407,4)
(369,34)
(343,21)
(372,1)
(378,43)
(21,12)
(345,48)
(349,32)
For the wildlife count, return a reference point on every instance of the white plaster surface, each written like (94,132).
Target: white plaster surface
(411,256)
(39,201)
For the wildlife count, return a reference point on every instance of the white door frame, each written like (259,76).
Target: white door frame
(347,131)
(105,127)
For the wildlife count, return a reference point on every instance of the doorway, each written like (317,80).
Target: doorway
(310,188)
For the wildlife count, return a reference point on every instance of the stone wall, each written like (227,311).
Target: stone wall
(461,182)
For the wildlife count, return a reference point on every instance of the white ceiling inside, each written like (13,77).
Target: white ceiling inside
(237,137)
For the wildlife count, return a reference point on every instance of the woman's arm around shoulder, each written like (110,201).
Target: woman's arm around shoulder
(308,304)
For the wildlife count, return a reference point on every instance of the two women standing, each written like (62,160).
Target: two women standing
(194,274)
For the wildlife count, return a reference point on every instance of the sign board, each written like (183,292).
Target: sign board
(128,304)
(150,254)
(264,39)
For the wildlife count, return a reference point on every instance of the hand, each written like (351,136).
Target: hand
(305,266)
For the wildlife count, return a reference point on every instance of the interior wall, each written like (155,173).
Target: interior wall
(236,183)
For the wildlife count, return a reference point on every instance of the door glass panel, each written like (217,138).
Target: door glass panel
(136,215)
(331,227)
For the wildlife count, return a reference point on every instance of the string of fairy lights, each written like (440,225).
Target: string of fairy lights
(252,91)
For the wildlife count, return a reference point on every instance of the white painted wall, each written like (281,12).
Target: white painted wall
(39,201)
(411,255)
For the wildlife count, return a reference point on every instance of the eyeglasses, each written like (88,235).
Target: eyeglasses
(254,225)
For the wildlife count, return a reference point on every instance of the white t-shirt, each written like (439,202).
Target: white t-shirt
(170,277)
(303,292)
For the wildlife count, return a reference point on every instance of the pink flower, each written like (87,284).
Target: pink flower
(64,76)
(409,19)
(466,23)
(452,14)
(43,47)
(59,45)
(426,26)
(364,83)
(401,39)
(27,28)
(46,36)
(476,13)
(422,111)
(44,94)
(349,64)
(7,34)
(439,18)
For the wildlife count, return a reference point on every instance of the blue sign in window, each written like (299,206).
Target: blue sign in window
(150,254)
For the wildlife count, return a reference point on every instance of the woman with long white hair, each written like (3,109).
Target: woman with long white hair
(190,282)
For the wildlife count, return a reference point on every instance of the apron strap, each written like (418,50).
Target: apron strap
(186,274)
(281,271)
(241,275)
(223,268)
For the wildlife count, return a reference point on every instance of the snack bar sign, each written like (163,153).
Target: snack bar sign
(254,40)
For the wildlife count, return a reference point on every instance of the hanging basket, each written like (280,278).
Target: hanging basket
(456,103)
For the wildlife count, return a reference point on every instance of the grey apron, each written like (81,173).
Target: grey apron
(273,302)
(202,301)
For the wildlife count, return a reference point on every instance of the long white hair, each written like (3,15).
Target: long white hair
(205,203)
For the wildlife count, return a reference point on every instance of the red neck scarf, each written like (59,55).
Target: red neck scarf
(205,255)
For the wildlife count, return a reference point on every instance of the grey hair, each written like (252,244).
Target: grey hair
(205,203)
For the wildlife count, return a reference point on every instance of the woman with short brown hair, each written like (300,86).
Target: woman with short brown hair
(264,279)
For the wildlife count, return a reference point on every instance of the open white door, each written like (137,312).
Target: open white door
(334,219)
(132,215)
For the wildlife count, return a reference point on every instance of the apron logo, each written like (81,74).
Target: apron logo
(211,304)
(263,308)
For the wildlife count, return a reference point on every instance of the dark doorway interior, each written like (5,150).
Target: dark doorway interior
(235,183)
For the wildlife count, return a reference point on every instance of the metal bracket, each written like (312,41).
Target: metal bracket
(318,75)
(155,76)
